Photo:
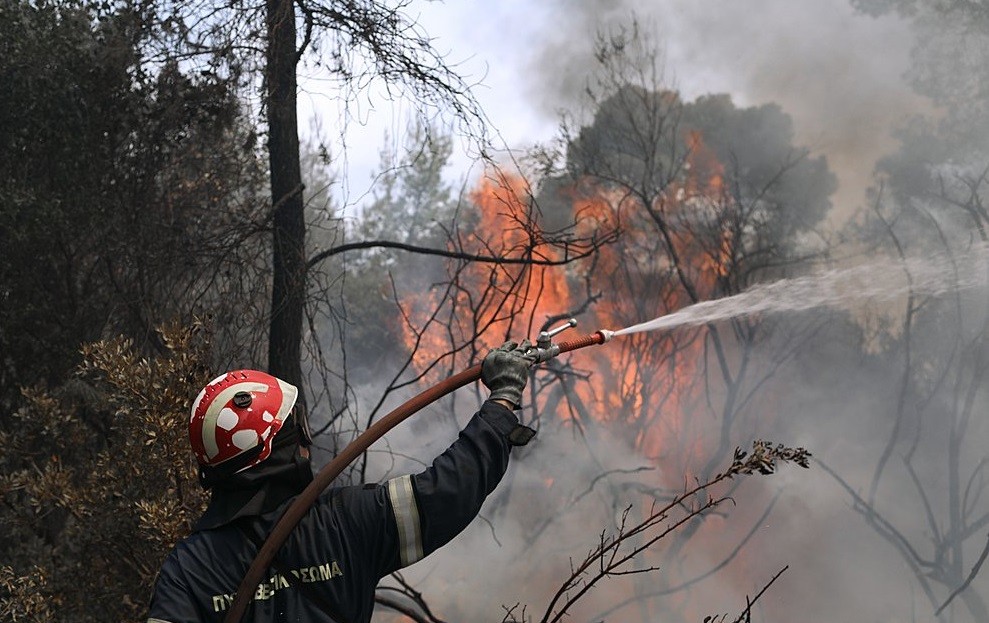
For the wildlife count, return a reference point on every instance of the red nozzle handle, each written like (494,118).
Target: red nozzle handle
(598,337)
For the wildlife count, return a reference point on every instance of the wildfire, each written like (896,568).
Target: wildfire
(646,384)
(652,391)
(491,301)
(641,385)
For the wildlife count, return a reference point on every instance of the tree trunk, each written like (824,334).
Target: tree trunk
(288,218)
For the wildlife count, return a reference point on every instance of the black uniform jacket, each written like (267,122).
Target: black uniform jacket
(351,538)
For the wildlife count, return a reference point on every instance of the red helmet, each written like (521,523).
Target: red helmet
(237,415)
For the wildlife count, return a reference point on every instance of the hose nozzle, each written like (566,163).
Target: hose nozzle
(545,348)
(545,339)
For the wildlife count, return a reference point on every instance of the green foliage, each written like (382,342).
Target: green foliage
(98,484)
(414,205)
(125,196)
(412,200)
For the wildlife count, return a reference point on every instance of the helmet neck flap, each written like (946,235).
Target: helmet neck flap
(262,488)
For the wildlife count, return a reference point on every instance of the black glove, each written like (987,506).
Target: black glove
(505,371)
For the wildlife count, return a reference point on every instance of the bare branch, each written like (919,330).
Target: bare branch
(583,251)
(968,580)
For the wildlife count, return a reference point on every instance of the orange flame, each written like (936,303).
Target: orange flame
(490,300)
(643,384)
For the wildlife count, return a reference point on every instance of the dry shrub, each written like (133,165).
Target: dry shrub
(97,482)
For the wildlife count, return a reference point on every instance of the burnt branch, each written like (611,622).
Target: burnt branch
(410,602)
(571,253)
(971,576)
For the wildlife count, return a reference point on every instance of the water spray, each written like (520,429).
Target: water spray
(881,280)
(544,350)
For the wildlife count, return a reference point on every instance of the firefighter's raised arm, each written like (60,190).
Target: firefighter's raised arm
(432,507)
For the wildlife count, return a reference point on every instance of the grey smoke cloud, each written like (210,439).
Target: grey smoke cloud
(838,73)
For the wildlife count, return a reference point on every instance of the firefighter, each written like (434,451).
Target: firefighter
(252,446)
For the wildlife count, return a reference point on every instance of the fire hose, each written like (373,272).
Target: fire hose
(543,351)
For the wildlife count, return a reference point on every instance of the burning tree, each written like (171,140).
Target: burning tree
(703,199)
(708,199)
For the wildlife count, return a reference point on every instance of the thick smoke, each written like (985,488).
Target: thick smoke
(838,73)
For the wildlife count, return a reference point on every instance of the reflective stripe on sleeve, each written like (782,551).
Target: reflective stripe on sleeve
(403,503)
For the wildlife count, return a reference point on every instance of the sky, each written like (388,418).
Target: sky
(839,74)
